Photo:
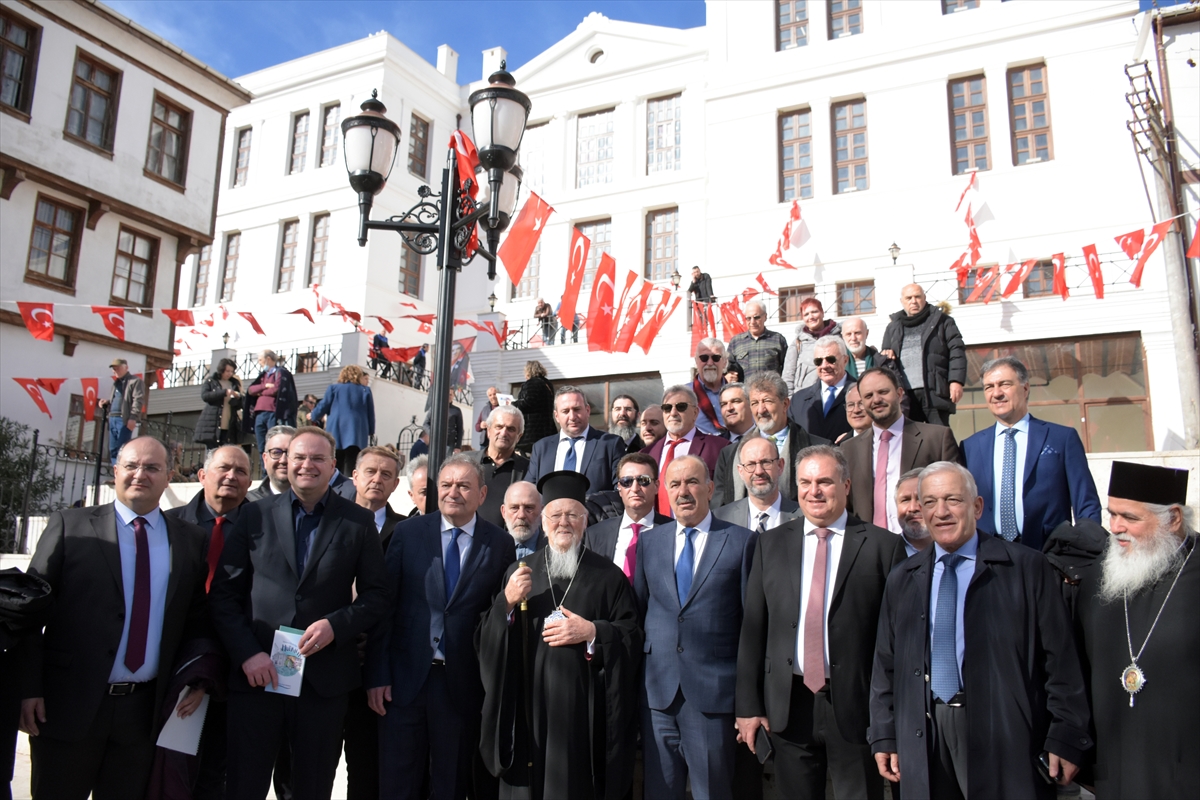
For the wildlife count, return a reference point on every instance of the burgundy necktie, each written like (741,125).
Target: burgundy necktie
(631,551)
(880,516)
(215,544)
(814,617)
(139,621)
(664,503)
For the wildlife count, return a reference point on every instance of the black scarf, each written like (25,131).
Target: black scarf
(915,320)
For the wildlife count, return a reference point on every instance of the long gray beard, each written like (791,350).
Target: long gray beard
(1128,571)
(626,432)
(562,566)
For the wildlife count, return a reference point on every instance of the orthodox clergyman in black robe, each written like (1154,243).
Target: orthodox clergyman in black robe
(561,676)
(1142,675)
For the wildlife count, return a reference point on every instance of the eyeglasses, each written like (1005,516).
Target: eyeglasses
(149,469)
(755,466)
(567,515)
(277,453)
(627,481)
(706,357)
(680,407)
(316,460)
(756,317)
(827,360)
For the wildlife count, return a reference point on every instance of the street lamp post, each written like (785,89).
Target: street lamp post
(894,252)
(443,223)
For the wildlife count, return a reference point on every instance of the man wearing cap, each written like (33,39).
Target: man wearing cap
(1141,642)
(561,676)
(125,406)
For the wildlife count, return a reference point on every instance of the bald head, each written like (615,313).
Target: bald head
(912,298)
(854,333)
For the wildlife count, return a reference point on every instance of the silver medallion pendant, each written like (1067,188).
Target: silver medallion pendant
(1132,681)
(554,615)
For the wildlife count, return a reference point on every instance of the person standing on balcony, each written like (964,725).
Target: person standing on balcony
(544,314)
(701,288)
(274,391)
(418,365)
(349,413)
(125,407)
(220,420)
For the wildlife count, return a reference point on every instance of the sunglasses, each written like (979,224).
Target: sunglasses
(705,358)
(628,480)
(827,360)
(680,407)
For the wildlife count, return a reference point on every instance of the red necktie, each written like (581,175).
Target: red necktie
(139,620)
(216,543)
(880,516)
(631,551)
(814,618)
(664,505)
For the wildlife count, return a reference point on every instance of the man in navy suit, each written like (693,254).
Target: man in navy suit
(1049,458)
(422,671)
(616,538)
(690,581)
(820,408)
(680,410)
(577,446)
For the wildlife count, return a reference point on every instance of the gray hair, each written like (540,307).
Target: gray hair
(817,450)
(760,305)
(211,454)
(466,460)
(268,354)
(832,341)
(278,430)
(769,382)
(1163,512)
(908,476)
(680,388)
(741,387)
(1012,362)
(420,462)
(949,466)
(511,411)
(712,344)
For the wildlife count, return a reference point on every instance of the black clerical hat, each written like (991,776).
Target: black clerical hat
(563,483)
(1147,483)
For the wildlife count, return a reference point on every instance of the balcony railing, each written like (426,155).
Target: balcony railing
(298,360)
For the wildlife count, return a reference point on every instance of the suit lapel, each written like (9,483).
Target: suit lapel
(795,560)
(660,554)
(1038,432)
(984,471)
(281,516)
(862,476)
(854,538)
(178,550)
(910,446)
(435,581)
(104,526)
(712,549)
(480,542)
(589,448)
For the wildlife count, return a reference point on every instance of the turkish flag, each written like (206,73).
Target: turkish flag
(246,315)
(983,279)
(633,318)
(1020,277)
(601,313)
(209,321)
(160,375)
(732,319)
(1193,250)
(425,318)
(410,305)
(994,282)
(961,271)
(523,236)
(91,392)
(322,301)
(51,385)
(662,312)
(1060,275)
(399,353)
(501,336)
(31,386)
(970,184)
(580,245)
(795,234)
(749,294)
(1152,241)
(424,327)
(387,326)
(304,312)
(1093,266)
(180,316)
(113,318)
(1131,242)
(39,319)
(975,247)
(763,283)
(699,325)
(468,160)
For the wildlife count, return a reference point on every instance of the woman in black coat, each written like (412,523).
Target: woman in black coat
(222,395)
(536,401)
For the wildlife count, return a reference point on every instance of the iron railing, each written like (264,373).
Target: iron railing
(299,360)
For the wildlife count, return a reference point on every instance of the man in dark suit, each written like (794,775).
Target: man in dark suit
(896,445)
(376,476)
(311,560)
(522,511)
(690,580)
(424,679)
(680,410)
(616,538)
(623,422)
(808,639)
(1049,458)
(769,405)
(128,587)
(820,408)
(274,463)
(764,506)
(976,670)
(577,447)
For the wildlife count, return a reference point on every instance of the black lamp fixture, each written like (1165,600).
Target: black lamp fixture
(894,251)
(675,277)
(492,300)
(225,339)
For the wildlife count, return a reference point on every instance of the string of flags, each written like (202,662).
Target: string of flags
(90,387)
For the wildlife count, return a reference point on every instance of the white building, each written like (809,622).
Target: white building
(110,144)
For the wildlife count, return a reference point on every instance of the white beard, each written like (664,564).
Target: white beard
(520,532)
(1126,571)
(626,432)
(562,566)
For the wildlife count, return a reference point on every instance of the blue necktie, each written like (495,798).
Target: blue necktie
(830,393)
(569,462)
(945,682)
(686,565)
(453,563)
(1008,487)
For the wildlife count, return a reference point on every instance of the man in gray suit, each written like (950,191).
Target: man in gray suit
(690,580)
(275,464)
(764,506)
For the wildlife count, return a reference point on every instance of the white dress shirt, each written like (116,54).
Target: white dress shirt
(772,513)
(837,535)
(381,518)
(160,576)
(564,441)
(1021,437)
(698,541)
(826,390)
(893,470)
(625,535)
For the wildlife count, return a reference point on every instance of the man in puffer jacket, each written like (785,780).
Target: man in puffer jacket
(930,350)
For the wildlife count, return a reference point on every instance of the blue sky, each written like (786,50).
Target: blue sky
(240,36)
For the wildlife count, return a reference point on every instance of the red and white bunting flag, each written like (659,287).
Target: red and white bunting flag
(38,319)
(91,393)
(180,316)
(31,386)
(580,245)
(994,282)
(969,219)
(1157,233)
(426,318)
(51,385)
(396,354)
(749,294)
(322,301)
(424,327)
(210,320)
(973,183)
(197,332)
(646,336)
(1020,277)
(413,306)
(224,312)
(246,315)
(305,313)
(763,283)
(602,315)
(974,248)
(1060,275)
(387,326)
(160,375)
(961,271)
(633,318)
(523,237)
(1131,242)
(468,159)
(983,280)
(113,318)
(795,234)
(700,328)
(1193,250)
(1094,270)
(501,336)
(630,279)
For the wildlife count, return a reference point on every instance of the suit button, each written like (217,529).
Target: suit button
(922,615)
(436,640)
(917,671)
(679,649)
(789,662)
(299,598)
(793,623)
(681,618)
(112,651)
(920,734)
(1083,740)
(447,614)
